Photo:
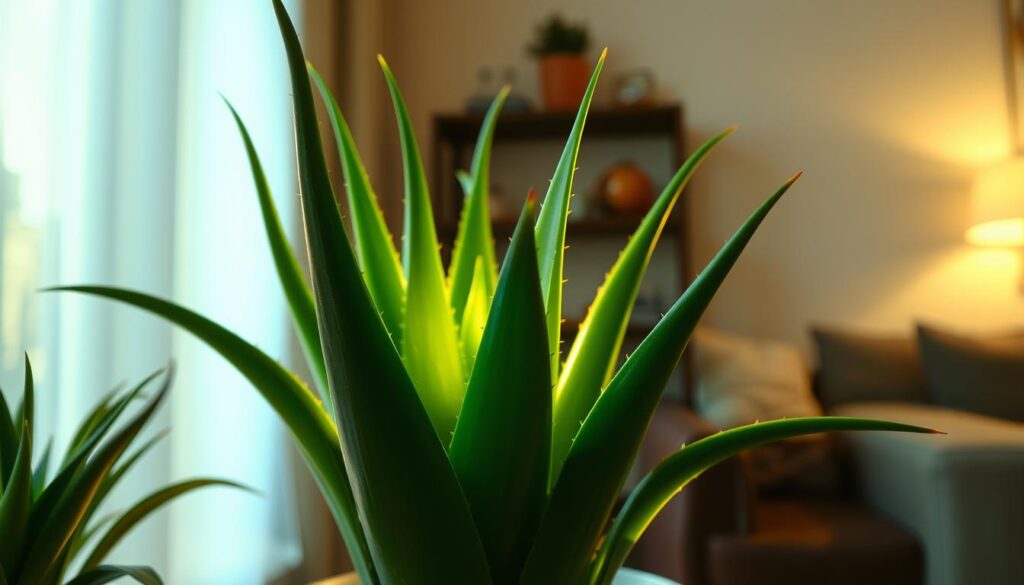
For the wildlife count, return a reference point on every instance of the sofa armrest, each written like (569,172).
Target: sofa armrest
(676,543)
(958,492)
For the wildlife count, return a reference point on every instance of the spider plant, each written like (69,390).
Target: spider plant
(48,524)
(452,442)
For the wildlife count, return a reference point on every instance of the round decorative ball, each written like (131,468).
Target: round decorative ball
(626,188)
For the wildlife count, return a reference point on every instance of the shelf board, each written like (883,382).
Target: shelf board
(609,226)
(464,128)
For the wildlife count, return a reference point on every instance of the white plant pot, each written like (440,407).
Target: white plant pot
(625,577)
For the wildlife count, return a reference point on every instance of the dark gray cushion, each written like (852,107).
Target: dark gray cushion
(854,367)
(985,376)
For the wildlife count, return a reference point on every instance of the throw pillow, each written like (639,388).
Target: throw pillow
(985,376)
(741,380)
(854,367)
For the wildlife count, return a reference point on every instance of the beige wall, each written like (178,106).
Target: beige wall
(888,106)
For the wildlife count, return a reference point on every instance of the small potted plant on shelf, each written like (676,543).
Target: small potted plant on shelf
(48,524)
(564,70)
(453,444)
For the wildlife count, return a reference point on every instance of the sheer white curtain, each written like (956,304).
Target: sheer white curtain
(119,164)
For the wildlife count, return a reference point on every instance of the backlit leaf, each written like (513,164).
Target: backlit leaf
(475,241)
(551,224)
(604,448)
(430,348)
(595,351)
(375,247)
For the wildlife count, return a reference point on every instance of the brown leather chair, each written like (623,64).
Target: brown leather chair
(719,532)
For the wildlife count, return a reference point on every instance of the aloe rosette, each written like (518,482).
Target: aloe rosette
(48,524)
(451,441)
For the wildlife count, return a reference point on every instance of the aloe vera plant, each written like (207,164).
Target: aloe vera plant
(452,443)
(48,524)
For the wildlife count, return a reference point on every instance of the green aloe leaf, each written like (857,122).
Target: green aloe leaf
(297,406)
(417,522)
(298,295)
(474,315)
(551,223)
(14,508)
(502,445)
(606,445)
(46,552)
(475,240)
(677,470)
(382,270)
(430,347)
(595,350)
(107,573)
(144,508)
(8,442)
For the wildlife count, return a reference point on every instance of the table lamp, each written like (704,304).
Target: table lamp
(997,212)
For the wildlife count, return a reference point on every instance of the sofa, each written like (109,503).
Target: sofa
(912,509)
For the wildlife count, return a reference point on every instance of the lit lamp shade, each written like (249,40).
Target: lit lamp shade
(997,217)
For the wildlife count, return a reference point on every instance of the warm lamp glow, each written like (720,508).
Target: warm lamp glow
(998,206)
(1000,233)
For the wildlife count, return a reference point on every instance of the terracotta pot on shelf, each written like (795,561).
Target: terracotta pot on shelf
(626,189)
(563,80)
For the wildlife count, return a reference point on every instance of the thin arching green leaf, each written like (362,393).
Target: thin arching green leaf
(107,573)
(8,441)
(26,412)
(42,468)
(138,512)
(375,248)
(672,474)
(551,223)
(420,533)
(474,241)
(502,445)
(14,508)
(297,406)
(430,347)
(90,422)
(55,490)
(46,551)
(82,537)
(118,472)
(595,351)
(298,295)
(604,448)
(53,493)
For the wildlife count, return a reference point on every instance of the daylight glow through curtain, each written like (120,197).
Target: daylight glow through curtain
(119,165)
